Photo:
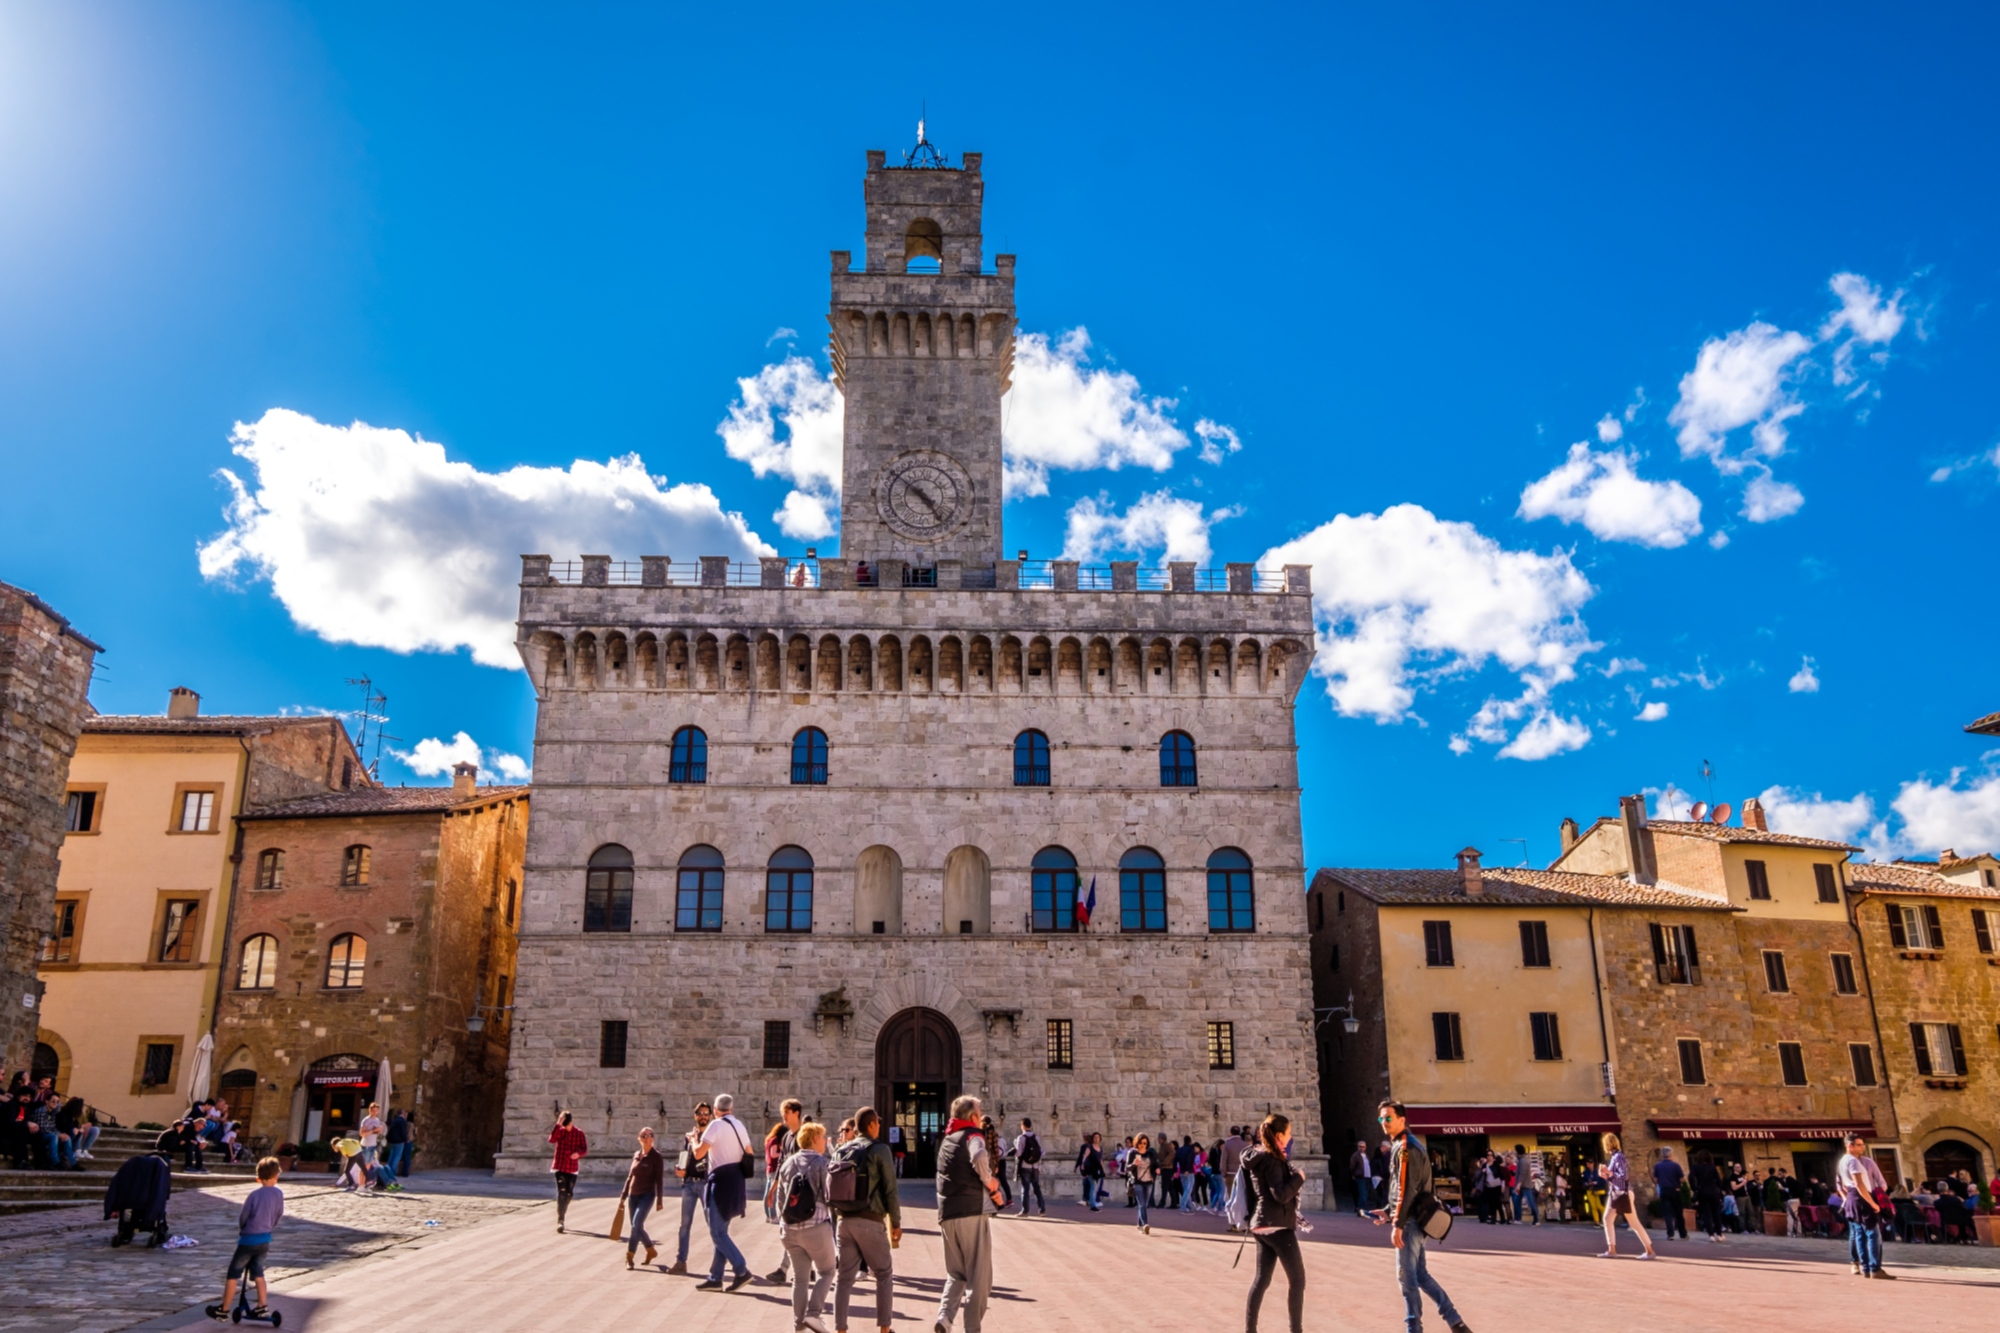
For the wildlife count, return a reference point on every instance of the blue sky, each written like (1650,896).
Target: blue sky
(1558,342)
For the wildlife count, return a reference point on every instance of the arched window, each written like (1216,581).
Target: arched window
(1232,906)
(1142,891)
(270,869)
(259,968)
(1177,760)
(788,891)
(607,890)
(345,962)
(698,894)
(1031,759)
(809,758)
(1054,888)
(689,762)
(354,867)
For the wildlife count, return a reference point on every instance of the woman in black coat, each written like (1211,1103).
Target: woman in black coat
(1708,1192)
(1274,1185)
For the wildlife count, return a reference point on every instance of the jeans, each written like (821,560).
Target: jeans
(810,1248)
(858,1239)
(725,1248)
(1364,1195)
(397,1155)
(1188,1181)
(62,1151)
(385,1169)
(1672,1216)
(1864,1246)
(640,1207)
(690,1205)
(1143,1191)
(1279,1247)
(86,1135)
(565,1191)
(1031,1180)
(1093,1193)
(1525,1205)
(1413,1275)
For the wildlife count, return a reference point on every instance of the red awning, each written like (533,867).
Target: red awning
(1513,1119)
(1762,1129)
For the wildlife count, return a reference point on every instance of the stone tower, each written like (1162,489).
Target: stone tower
(922,344)
(837,837)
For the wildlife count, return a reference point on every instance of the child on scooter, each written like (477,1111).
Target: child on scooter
(254,1226)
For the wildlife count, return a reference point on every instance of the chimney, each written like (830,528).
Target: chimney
(1638,839)
(1469,874)
(183,702)
(1753,815)
(464,779)
(1570,834)
(1948,854)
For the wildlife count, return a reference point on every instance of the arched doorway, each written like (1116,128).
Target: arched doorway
(917,1065)
(338,1089)
(46,1065)
(1947,1157)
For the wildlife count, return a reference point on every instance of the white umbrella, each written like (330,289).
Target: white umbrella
(382,1085)
(198,1072)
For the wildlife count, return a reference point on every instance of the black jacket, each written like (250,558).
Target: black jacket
(960,1191)
(142,1185)
(1274,1186)
(1409,1176)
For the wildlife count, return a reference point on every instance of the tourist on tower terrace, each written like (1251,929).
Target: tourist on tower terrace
(805,1224)
(1028,1165)
(964,1183)
(1090,1166)
(692,1171)
(1410,1204)
(1139,1172)
(779,1144)
(645,1190)
(871,1226)
(570,1148)
(1274,1184)
(725,1148)
(1619,1201)
(1864,1198)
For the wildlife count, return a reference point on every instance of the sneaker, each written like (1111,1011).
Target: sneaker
(812,1323)
(679,1269)
(1649,1255)
(1882,1276)
(216,1312)
(709,1284)
(1461,1327)
(1608,1254)
(740,1280)
(781,1276)
(1148,1228)
(940,1327)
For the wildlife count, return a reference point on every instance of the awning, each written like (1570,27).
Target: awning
(1763,1129)
(1592,1119)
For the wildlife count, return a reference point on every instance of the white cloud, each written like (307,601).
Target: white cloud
(1619,664)
(1604,492)
(1655,711)
(1990,458)
(1865,315)
(783,333)
(1739,379)
(1546,735)
(1805,680)
(786,421)
(1403,597)
(1217,441)
(1718,539)
(1765,499)
(371,536)
(432,757)
(1610,430)
(1064,413)
(1177,528)
(1963,817)
(1668,802)
(1814,816)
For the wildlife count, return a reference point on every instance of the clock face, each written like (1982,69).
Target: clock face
(924,495)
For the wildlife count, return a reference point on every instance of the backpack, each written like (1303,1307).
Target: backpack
(801,1203)
(843,1178)
(1031,1151)
(1237,1210)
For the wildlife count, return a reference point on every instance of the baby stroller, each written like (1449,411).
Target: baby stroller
(137,1197)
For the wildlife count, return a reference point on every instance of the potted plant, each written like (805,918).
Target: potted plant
(1985,1224)
(287,1154)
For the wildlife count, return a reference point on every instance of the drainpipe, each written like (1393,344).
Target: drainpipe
(1875,1018)
(235,887)
(1597,987)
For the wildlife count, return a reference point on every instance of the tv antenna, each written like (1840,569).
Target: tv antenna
(374,714)
(1524,848)
(925,154)
(1708,776)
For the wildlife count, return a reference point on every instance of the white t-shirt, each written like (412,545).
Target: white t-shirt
(725,1137)
(371,1131)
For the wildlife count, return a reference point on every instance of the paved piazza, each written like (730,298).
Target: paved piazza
(344,1264)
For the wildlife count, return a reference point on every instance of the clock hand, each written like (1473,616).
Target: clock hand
(928,503)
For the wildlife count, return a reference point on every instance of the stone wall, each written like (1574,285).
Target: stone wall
(44,697)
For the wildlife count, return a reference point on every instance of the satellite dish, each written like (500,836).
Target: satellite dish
(1722,813)
(1699,811)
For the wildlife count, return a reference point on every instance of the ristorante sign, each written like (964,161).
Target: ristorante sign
(1513,1119)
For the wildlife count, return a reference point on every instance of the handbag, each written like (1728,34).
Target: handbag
(1432,1218)
(618,1222)
(1622,1205)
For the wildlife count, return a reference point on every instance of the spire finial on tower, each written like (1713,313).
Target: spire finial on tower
(925,154)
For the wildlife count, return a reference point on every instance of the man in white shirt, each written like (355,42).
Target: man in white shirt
(724,1145)
(1859,1180)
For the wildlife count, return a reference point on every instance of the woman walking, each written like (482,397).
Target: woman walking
(1274,1185)
(645,1189)
(1618,1201)
(571,1146)
(806,1225)
(1708,1193)
(1139,1171)
(1090,1165)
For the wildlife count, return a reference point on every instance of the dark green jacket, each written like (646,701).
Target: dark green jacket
(874,1182)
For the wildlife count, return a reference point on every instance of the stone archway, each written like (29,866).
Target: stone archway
(1949,1155)
(919,1069)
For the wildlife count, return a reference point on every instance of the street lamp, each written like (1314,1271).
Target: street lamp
(1348,1022)
(475,1024)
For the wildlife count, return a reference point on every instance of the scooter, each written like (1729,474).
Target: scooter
(245,1311)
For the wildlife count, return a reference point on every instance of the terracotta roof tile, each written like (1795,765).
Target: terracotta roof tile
(1507,886)
(1877,877)
(1732,833)
(217,724)
(1985,726)
(381,801)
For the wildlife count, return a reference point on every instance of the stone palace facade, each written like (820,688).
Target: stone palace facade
(827,828)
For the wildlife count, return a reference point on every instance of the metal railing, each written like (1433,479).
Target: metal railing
(805,572)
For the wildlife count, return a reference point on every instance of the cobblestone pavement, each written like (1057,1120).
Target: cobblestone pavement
(497,1265)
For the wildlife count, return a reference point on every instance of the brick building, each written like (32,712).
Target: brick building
(44,698)
(825,830)
(1928,940)
(136,938)
(371,926)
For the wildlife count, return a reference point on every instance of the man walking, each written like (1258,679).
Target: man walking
(1527,1186)
(870,1227)
(964,1183)
(1410,1182)
(693,1173)
(792,1114)
(1361,1169)
(1667,1177)
(1028,1166)
(398,1139)
(723,1147)
(1862,1190)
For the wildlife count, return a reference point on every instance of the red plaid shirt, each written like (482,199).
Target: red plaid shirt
(570,1146)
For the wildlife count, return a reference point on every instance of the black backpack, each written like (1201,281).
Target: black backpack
(844,1178)
(801,1203)
(1031,1151)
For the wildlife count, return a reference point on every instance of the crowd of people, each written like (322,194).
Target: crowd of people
(40,1128)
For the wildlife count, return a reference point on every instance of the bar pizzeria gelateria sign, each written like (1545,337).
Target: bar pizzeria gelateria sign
(1513,1119)
(1763,1129)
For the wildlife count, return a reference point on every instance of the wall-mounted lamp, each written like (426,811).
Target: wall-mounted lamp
(475,1024)
(1348,1022)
